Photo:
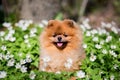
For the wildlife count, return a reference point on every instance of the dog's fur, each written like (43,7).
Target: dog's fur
(70,46)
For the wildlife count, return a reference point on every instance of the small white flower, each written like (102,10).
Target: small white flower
(102,42)
(58,72)
(92,57)
(114,30)
(109,38)
(11,31)
(68,63)
(46,59)
(44,22)
(95,39)
(18,65)
(104,51)
(113,53)
(28,60)
(23,69)
(84,45)
(115,66)
(94,31)
(12,39)
(11,62)
(81,74)
(26,41)
(7,24)
(22,61)
(41,25)
(88,33)
(112,77)
(98,46)
(2,33)
(32,75)
(113,46)
(3,74)
(26,36)
(3,47)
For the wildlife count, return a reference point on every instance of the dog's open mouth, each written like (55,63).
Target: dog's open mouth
(60,45)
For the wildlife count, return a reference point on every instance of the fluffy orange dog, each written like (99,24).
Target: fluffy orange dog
(61,46)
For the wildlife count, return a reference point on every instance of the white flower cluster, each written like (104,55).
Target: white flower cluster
(43,23)
(68,63)
(3,74)
(45,59)
(10,34)
(81,74)
(24,24)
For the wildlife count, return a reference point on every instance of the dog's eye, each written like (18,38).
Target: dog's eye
(65,35)
(54,35)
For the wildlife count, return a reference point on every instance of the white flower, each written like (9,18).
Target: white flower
(104,51)
(92,57)
(95,39)
(22,61)
(94,31)
(88,33)
(108,25)
(84,45)
(109,38)
(112,77)
(102,42)
(23,69)
(28,60)
(46,59)
(24,24)
(41,25)
(115,66)
(2,33)
(26,36)
(68,63)
(26,41)
(3,74)
(12,39)
(113,46)
(7,24)
(11,31)
(32,75)
(18,65)
(113,53)
(3,47)
(80,74)
(11,62)
(114,30)
(45,22)
(98,46)
(58,72)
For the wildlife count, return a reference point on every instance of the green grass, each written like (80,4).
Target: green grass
(19,53)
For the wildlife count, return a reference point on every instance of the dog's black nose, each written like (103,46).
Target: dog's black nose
(59,38)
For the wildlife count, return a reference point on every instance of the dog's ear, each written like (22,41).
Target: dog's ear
(69,22)
(50,23)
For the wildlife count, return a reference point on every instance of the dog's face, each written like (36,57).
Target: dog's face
(60,33)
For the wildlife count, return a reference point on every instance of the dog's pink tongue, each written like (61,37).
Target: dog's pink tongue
(59,44)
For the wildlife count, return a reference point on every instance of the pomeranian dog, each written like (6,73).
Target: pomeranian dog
(61,46)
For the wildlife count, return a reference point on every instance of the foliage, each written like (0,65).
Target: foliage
(19,53)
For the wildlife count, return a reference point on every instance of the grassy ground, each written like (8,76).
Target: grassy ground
(19,53)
